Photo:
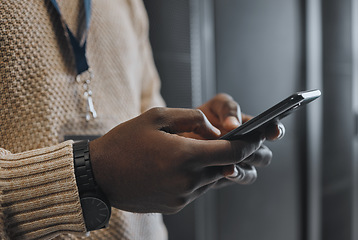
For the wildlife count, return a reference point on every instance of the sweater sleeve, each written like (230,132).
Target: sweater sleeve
(38,194)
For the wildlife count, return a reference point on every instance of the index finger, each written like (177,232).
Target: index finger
(221,152)
(177,120)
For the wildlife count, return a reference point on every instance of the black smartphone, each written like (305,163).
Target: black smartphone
(277,112)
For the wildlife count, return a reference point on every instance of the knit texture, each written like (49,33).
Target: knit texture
(38,200)
(41,103)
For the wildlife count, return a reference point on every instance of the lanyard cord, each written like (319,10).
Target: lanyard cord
(79,51)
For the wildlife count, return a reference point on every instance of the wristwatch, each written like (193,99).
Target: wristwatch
(95,206)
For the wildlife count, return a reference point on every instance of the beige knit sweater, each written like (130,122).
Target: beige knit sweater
(40,103)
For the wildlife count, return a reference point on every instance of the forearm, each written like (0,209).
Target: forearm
(39,197)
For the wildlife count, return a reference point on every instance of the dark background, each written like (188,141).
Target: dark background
(260,52)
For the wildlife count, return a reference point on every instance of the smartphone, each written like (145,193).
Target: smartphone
(277,112)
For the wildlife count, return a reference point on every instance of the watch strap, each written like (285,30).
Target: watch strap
(83,168)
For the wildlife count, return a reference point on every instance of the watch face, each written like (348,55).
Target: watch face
(96,213)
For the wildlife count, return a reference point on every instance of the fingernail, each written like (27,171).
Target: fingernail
(216,131)
(231,122)
(262,138)
(234,174)
(239,175)
(234,121)
(281,130)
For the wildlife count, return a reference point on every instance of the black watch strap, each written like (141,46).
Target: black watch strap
(83,168)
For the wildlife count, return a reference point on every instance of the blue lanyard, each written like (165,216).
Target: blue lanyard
(83,70)
(78,50)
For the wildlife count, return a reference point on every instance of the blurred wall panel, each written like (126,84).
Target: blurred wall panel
(171,42)
(312,185)
(355,110)
(338,127)
(259,61)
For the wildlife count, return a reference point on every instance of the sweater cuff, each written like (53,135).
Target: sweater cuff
(38,193)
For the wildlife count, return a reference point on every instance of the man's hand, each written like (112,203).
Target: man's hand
(225,114)
(143,165)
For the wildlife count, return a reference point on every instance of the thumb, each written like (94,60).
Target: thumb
(179,120)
